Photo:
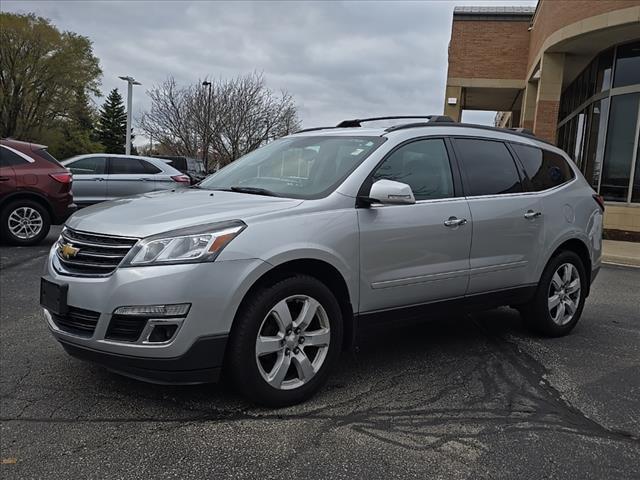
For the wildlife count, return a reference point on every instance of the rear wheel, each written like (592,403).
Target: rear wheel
(24,222)
(559,300)
(285,340)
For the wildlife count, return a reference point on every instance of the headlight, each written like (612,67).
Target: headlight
(187,245)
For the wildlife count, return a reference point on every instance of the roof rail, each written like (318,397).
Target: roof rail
(357,122)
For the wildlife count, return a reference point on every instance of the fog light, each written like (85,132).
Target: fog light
(155,311)
(162,333)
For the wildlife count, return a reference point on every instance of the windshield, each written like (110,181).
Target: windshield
(295,167)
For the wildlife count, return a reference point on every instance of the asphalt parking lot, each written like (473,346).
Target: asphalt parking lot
(471,396)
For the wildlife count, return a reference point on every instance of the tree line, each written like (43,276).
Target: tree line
(50,83)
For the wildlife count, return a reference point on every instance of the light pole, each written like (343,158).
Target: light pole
(205,142)
(131,82)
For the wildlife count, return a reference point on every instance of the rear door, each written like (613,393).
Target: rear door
(412,254)
(89,179)
(508,222)
(128,176)
(8,158)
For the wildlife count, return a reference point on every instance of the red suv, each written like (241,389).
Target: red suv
(35,192)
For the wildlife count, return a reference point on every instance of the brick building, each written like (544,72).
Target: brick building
(570,71)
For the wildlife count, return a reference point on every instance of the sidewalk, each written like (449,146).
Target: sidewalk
(624,253)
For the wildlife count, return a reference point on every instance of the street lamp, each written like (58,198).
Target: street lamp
(131,82)
(205,142)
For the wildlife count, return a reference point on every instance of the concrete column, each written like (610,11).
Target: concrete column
(548,99)
(453,111)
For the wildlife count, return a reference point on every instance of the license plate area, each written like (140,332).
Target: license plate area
(53,296)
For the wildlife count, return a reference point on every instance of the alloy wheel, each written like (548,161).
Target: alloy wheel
(25,223)
(292,342)
(564,294)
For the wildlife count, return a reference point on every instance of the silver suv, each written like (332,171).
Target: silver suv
(268,268)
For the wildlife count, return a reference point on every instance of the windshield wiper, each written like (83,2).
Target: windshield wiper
(253,191)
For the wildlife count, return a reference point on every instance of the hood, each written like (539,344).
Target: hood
(157,212)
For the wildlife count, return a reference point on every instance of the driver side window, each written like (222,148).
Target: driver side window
(423,165)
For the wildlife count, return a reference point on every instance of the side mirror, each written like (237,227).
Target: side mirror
(388,192)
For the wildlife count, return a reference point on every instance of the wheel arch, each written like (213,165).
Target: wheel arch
(28,195)
(322,271)
(580,248)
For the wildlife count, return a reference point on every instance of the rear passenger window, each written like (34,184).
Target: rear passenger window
(150,168)
(545,169)
(8,158)
(423,165)
(124,166)
(88,166)
(489,167)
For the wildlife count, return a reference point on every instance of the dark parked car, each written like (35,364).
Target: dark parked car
(192,167)
(35,192)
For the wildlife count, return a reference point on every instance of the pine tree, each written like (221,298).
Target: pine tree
(112,125)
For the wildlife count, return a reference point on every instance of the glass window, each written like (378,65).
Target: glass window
(88,166)
(423,165)
(320,164)
(149,167)
(627,71)
(616,172)
(605,64)
(545,169)
(126,166)
(635,197)
(488,166)
(8,158)
(594,148)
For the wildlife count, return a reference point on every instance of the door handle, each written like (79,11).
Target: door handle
(98,179)
(455,222)
(531,214)
(4,179)
(144,179)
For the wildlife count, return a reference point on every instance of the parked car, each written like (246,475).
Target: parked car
(269,267)
(103,176)
(192,167)
(35,192)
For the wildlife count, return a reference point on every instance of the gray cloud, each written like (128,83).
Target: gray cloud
(338,59)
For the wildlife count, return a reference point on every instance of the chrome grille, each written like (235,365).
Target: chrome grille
(96,254)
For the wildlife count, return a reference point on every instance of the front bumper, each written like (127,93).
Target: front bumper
(202,363)
(214,290)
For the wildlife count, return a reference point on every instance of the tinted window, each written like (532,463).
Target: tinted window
(7,158)
(150,168)
(423,165)
(489,167)
(123,166)
(545,169)
(44,154)
(618,155)
(88,166)
(627,71)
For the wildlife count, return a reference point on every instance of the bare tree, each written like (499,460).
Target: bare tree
(228,119)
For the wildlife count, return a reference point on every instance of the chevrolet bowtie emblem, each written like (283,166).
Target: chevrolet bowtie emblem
(67,250)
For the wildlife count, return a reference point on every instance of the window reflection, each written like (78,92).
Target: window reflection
(619,150)
(601,142)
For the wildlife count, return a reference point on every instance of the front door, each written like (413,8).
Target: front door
(408,255)
(508,223)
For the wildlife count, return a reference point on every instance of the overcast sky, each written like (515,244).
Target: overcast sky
(338,59)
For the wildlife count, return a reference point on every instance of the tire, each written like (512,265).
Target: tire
(557,306)
(263,314)
(37,218)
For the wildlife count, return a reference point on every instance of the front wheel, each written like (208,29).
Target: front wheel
(285,340)
(559,300)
